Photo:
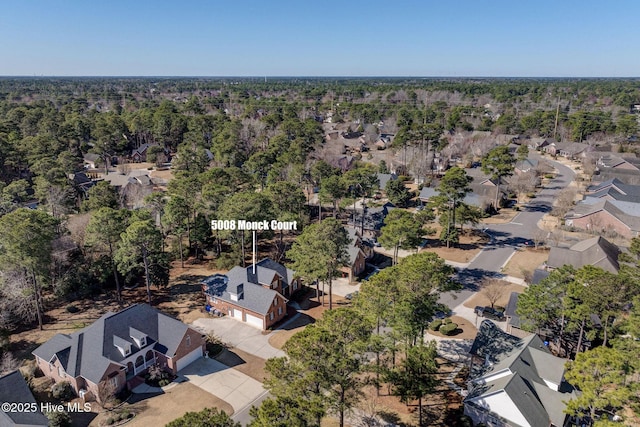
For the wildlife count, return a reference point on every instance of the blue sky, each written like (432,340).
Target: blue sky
(562,38)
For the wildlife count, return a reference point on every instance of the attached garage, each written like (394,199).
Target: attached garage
(189,358)
(254,321)
(237,314)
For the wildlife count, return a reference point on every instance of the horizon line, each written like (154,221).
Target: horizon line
(24,76)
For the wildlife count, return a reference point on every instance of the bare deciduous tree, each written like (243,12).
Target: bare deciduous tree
(106,394)
(8,363)
(539,237)
(492,290)
(564,202)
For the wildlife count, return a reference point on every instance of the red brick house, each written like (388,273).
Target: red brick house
(256,296)
(622,218)
(118,346)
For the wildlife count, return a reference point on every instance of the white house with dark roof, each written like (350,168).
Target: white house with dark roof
(256,298)
(515,381)
(116,348)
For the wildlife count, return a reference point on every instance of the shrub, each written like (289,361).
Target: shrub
(448,329)
(58,419)
(110,421)
(446,321)
(72,309)
(62,391)
(435,325)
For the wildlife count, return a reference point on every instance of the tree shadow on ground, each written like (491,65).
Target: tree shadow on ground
(229,358)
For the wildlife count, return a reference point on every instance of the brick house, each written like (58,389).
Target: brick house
(596,251)
(599,215)
(254,296)
(117,347)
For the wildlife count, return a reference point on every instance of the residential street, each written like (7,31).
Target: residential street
(505,238)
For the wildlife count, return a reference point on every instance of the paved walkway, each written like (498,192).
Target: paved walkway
(239,335)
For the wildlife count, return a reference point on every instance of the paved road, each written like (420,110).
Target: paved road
(505,238)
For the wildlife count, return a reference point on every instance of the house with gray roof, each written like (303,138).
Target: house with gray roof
(515,381)
(481,195)
(14,389)
(513,320)
(614,189)
(596,251)
(357,256)
(254,295)
(606,216)
(384,178)
(112,351)
(370,219)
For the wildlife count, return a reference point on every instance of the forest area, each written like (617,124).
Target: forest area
(240,147)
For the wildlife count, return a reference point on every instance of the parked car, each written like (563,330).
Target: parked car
(351,295)
(489,313)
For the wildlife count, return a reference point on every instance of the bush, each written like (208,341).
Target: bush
(448,329)
(72,309)
(446,321)
(58,419)
(435,325)
(465,421)
(62,391)
(110,421)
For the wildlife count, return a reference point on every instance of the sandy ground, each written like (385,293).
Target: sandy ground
(480,299)
(526,260)
(503,217)
(466,328)
(161,409)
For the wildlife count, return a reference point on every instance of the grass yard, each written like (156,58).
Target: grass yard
(525,261)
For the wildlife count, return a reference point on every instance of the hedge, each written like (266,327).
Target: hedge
(448,328)
(435,325)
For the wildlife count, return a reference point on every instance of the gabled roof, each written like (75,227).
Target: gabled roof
(384,178)
(90,351)
(526,164)
(522,369)
(596,251)
(615,189)
(626,212)
(510,310)
(14,389)
(255,297)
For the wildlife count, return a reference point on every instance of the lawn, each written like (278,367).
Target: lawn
(525,261)
(480,299)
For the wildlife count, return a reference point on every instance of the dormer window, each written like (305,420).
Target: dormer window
(139,337)
(127,351)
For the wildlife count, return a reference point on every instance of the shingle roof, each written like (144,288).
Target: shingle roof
(527,365)
(90,351)
(384,178)
(510,310)
(596,251)
(14,389)
(255,297)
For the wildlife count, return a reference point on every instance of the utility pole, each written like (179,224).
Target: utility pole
(555,126)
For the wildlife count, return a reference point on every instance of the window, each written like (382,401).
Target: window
(127,351)
(114,382)
(143,341)
(188,341)
(275,302)
(60,371)
(271,316)
(279,311)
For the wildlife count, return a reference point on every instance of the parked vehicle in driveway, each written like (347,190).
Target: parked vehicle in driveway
(489,313)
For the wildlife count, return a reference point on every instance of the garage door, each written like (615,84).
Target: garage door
(254,321)
(189,358)
(237,314)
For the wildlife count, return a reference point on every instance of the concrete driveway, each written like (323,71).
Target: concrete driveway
(239,335)
(235,388)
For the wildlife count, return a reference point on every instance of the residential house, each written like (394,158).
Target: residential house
(384,141)
(614,189)
(14,389)
(526,165)
(112,351)
(482,196)
(254,295)
(596,251)
(607,216)
(140,154)
(90,160)
(515,381)
(81,183)
(539,143)
(384,178)
(627,176)
(357,257)
(574,150)
(370,219)
(513,320)
(609,161)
